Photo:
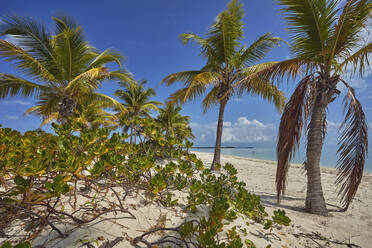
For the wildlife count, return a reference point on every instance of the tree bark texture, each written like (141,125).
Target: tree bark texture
(315,202)
(217,148)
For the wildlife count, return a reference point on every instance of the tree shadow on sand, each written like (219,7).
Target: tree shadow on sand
(268,199)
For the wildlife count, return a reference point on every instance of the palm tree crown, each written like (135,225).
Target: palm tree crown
(326,42)
(136,101)
(60,67)
(174,123)
(227,63)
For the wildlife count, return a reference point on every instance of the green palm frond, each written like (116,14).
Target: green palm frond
(310,23)
(226,33)
(122,75)
(211,99)
(258,49)
(106,57)
(136,99)
(173,123)
(71,48)
(350,25)
(33,37)
(48,119)
(24,61)
(184,76)
(359,59)
(93,76)
(266,90)
(186,94)
(105,101)
(290,68)
(64,63)
(12,86)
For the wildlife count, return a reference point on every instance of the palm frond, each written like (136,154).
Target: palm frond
(48,119)
(184,76)
(225,34)
(350,26)
(122,75)
(359,59)
(353,148)
(12,86)
(185,94)
(266,90)
(259,49)
(93,76)
(290,129)
(71,48)
(310,23)
(211,99)
(278,70)
(105,57)
(33,38)
(24,61)
(105,101)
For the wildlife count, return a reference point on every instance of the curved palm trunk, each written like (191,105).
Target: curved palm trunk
(217,148)
(315,202)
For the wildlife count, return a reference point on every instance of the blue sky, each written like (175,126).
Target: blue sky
(146,31)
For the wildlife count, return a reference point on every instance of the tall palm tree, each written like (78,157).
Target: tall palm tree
(137,103)
(59,68)
(327,42)
(227,62)
(174,123)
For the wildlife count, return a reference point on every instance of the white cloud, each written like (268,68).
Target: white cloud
(12,117)
(243,132)
(6,102)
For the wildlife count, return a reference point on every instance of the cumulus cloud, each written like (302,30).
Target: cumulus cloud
(242,132)
(12,117)
(6,102)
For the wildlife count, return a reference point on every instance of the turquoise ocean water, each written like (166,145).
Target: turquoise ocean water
(328,159)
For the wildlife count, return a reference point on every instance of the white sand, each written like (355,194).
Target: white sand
(354,226)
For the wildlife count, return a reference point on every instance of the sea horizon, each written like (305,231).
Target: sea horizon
(328,159)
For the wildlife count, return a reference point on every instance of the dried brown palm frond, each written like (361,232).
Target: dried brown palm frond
(294,117)
(353,148)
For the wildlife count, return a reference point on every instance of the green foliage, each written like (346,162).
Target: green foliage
(280,218)
(62,69)
(44,167)
(8,244)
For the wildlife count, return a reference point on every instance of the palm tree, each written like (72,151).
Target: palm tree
(136,102)
(326,42)
(227,62)
(92,114)
(173,123)
(60,68)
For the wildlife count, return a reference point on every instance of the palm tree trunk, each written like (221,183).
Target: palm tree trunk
(131,134)
(135,135)
(217,148)
(315,202)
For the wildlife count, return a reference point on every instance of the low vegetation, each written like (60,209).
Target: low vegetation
(39,171)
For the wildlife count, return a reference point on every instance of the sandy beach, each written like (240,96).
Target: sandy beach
(351,227)
(340,229)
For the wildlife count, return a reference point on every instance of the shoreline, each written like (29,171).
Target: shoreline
(323,168)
